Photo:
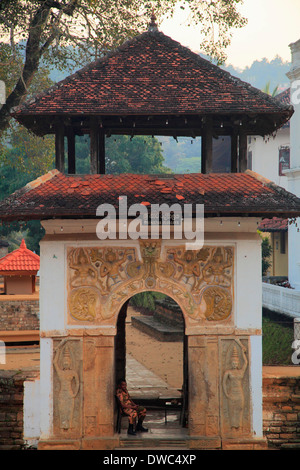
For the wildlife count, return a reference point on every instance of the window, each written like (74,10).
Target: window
(284,160)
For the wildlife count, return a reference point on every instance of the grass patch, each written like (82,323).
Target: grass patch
(277,339)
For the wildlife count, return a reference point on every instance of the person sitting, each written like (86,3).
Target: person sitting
(130,409)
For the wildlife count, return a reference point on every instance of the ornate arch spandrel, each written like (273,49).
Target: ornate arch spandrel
(101,279)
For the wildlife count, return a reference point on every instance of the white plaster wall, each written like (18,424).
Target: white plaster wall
(265,156)
(281,300)
(31,415)
(256,385)
(52,286)
(248,288)
(46,388)
(294,172)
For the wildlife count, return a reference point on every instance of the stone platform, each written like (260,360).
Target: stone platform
(157,329)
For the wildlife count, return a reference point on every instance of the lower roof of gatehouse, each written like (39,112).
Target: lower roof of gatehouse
(58,195)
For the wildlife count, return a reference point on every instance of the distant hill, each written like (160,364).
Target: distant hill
(260,72)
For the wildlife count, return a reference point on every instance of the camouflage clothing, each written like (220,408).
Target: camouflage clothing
(129,408)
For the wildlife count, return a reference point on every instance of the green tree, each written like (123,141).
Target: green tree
(266,250)
(142,154)
(28,154)
(139,155)
(65,33)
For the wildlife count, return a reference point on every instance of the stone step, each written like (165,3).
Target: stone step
(153,443)
(290,446)
(156,329)
(10,447)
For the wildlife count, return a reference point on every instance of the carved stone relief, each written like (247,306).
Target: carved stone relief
(234,384)
(67,378)
(101,279)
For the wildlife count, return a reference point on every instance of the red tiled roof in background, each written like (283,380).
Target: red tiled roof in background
(56,195)
(21,260)
(273,225)
(284,97)
(151,75)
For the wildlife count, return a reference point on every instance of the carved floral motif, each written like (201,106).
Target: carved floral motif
(101,279)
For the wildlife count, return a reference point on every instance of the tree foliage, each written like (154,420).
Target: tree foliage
(266,250)
(67,33)
(142,155)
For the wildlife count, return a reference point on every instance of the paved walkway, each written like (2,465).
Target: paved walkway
(142,383)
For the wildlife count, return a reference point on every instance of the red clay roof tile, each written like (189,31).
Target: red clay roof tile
(273,225)
(152,75)
(221,193)
(20,260)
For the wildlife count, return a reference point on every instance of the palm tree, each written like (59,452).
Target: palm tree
(267,90)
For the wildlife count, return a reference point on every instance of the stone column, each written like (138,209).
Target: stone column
(204,426)
(98,389)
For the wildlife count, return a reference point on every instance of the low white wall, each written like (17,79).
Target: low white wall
(281,299)
(31,419)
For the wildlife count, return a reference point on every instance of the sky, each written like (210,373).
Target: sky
(272,26)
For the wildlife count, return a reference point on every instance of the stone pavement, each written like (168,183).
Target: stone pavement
(142,383)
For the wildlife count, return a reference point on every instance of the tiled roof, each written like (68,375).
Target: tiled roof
(20,260)
(273,225)
(284,97)
(151,75)
(56,195)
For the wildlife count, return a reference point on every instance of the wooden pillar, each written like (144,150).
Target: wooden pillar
(97,147)
(94,145)
(207,147)
(60,147)
(242,151)
(234,151)
(71,152)
(101,154)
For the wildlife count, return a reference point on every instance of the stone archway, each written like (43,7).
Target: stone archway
(100,278)
(161,342)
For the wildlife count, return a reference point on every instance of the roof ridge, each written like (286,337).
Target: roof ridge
(271,184)
(41,179)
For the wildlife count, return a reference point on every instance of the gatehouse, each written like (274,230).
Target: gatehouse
(151,85)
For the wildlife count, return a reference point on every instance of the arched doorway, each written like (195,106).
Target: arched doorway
(151,355)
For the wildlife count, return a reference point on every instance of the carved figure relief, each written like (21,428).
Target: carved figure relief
(101,279)
(208,277)
(234,383)
(67,384)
